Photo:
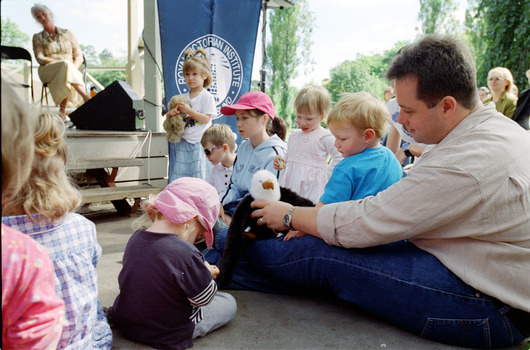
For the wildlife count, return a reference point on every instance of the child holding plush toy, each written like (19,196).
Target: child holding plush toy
(167,293)
(186,157)
(306,164)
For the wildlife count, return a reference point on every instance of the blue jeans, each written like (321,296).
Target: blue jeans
(398,282)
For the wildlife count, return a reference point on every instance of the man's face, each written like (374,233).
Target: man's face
(423,122)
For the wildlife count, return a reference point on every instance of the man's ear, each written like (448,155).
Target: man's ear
(369,135)
(448,105)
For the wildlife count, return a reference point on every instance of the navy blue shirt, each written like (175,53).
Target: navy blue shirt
(163,284)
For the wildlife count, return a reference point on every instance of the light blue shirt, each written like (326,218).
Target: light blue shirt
(361,175)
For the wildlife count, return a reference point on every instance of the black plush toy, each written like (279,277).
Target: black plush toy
(244,229)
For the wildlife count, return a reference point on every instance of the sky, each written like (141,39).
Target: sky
(343,29)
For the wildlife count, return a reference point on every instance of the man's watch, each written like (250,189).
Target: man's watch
(406,149)
(288,218)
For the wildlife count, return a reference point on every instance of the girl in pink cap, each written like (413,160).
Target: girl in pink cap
(256,122)
(167,293)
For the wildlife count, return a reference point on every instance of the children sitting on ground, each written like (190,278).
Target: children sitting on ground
(219,143)
(256,121)
(32,314)
(186,158)
(44,210)
(358,122)
(307,169)
(167,293)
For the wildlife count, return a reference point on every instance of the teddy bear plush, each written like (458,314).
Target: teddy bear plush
(243,229)
(175,125)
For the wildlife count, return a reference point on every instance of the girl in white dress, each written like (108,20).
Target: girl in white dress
(307,164)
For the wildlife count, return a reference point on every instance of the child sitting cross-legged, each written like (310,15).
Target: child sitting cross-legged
(167,293)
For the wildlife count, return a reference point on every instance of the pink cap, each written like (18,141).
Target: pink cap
(252,100)
(188,197)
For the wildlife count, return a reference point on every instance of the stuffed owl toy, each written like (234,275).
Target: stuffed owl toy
(175,125)
(243,229)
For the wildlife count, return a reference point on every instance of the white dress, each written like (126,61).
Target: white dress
(307,170)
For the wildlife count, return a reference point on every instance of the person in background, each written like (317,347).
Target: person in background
(59,55)
(306,163)
(483,93)
(522,111)
(256,122)
(186,158)
(388,94)
(500,82)
(168,295)
(44,210)
(32,314)
(219,143)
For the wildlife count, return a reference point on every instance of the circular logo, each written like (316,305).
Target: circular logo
(225,66)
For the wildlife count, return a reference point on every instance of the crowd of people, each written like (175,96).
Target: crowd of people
(449,236)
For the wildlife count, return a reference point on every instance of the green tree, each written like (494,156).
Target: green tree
(12,36)
(288,50)
(499,33)
(90,55)
(436,16)
(105,59)
(366,73)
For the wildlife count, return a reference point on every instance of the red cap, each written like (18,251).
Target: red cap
(252,100)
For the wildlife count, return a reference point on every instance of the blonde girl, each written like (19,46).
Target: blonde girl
(307,169)
(44,210)
(186,158)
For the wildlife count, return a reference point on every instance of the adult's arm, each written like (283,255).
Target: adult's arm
(424,202)
(77,54)
(303,218)
(393,140)
(38,51)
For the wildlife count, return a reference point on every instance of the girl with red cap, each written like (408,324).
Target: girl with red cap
(256,122)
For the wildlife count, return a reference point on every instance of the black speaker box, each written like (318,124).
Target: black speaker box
(110,109)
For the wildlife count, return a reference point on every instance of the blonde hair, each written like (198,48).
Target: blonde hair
(48,191)
(18,126)
(219,134)
(506,74)
(314,99)
(198,61)
(361,110)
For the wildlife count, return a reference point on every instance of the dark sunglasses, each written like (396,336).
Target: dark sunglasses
(208,151)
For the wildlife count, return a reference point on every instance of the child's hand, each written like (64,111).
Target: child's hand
(184,108)
(292,234)
(279,163)
(173,112)
(214,270)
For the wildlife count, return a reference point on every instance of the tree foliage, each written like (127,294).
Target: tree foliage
(104,59)
(499,33)
(12,36)
(436,16)
(366,73)
(288,50)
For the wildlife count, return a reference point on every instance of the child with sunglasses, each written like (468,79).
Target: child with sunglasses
(219,143)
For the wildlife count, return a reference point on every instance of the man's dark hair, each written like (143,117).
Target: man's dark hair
(443,66)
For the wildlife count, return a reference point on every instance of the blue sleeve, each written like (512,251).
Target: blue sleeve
(340,187)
